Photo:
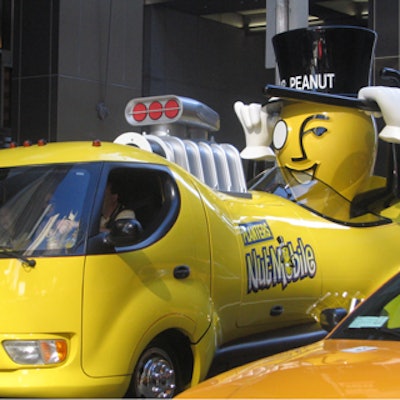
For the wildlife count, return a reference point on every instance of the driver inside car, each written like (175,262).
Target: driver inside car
(113,207)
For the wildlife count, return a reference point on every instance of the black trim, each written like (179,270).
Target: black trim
(264,344)
(318,97)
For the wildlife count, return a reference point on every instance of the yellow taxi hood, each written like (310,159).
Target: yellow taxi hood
(63,152)
(326,369)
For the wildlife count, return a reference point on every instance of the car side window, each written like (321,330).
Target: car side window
(117,204)
(146,194)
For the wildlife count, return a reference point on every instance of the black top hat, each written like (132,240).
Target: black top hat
(328,59)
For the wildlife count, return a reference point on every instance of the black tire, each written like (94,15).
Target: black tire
(157,373)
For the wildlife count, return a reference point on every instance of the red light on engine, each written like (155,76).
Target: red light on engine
(139,112)
(27,143)
(96,143)
(155,110)
(171,109)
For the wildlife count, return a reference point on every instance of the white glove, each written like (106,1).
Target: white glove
(253,119)
(388,99)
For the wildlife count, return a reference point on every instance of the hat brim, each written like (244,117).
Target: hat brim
(286,93)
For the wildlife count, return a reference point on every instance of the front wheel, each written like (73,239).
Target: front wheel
(157,373)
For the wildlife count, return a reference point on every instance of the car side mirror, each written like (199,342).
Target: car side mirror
(330,317)
(124,232)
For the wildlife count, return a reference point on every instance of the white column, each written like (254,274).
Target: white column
(283,15)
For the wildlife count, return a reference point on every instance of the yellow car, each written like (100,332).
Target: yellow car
(359,359)
(139,305)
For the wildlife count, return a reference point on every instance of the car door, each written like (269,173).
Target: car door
(160,282)
(281,275)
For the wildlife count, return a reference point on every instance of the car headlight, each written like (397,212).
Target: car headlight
(36,352)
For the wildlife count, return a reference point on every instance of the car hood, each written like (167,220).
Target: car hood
(326,369)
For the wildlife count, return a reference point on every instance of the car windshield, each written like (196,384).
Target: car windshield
(42,209)
(378,318)
(315,196)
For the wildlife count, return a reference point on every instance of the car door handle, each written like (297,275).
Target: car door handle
(276,310)
(181,272)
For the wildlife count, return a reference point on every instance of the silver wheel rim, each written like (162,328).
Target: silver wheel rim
(155,375)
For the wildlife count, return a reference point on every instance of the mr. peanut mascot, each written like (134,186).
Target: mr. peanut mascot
(322,126)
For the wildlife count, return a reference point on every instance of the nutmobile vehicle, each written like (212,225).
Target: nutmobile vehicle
(141,308)
(126,266)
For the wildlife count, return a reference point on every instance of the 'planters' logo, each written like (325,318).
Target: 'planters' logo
(255,232)
(279,265)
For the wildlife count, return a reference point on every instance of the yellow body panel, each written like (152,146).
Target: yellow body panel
(110,306)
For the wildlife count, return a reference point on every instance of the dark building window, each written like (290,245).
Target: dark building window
(6,23)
